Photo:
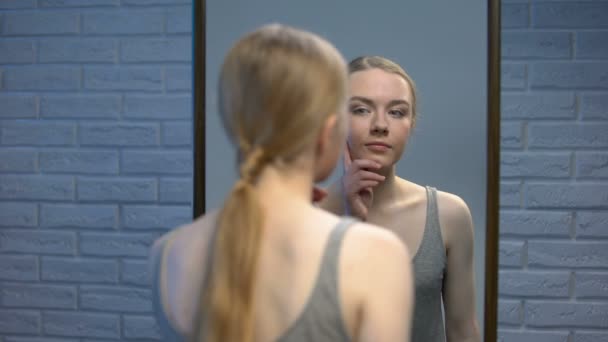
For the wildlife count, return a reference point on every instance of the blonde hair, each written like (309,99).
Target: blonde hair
(363,63)
(277,87)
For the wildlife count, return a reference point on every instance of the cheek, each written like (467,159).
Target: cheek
(402,135)
(356,131)
(357,134)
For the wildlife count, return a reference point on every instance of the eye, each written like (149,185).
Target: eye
(359,110)
(399,113)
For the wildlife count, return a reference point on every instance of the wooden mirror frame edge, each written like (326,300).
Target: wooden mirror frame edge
(493,175)
(199,21)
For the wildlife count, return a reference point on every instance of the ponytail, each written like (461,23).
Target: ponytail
(229,300)
(278,105)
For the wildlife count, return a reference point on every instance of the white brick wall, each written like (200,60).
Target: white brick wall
(553,277)
(95,162)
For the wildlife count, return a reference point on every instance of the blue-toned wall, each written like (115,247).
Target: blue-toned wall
(554,172)
(95,161)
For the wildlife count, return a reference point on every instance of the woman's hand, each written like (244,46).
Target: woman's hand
(358,182)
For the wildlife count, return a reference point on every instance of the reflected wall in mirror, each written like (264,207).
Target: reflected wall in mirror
(443,47)
(554,171)
(95,162)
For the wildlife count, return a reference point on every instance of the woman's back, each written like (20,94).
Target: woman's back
(311,263)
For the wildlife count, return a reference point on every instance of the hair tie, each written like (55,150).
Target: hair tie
(252,164)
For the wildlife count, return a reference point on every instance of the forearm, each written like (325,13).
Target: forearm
(463,331)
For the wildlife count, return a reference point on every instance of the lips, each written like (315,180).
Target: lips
(378,146)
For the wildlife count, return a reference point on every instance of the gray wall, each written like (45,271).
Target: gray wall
(554,172)
(443,47)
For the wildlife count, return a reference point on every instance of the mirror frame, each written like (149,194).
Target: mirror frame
(493,147)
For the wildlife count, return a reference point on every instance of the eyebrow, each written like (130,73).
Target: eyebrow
(370,103)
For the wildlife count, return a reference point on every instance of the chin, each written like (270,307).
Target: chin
(385,165)
(382,159)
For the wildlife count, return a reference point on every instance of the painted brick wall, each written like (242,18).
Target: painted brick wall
(554,171)
(95,162)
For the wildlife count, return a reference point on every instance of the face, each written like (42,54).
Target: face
(381,118)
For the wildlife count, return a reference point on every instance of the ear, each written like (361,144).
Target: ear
(327,135)
(327,148)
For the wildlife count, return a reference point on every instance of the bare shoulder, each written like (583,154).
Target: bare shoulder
(454,217)
(373,244)
(374,262)
(452,206)
(185,234)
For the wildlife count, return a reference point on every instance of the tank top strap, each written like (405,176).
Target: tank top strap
(321,319)
(432,214)
(431,244)
(331,255)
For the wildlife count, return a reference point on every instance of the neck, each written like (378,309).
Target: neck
(287,186)
(386,191)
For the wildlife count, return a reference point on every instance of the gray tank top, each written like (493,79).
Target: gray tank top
(321,319)
(429,267)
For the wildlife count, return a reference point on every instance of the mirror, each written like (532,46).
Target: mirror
(451,52)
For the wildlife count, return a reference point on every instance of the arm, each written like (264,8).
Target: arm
(154,258)
(161,313)
(387,303)
(459,283)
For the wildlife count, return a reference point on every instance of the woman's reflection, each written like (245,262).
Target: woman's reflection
(436,226)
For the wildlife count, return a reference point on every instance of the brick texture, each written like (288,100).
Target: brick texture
(553,280)
(95,162)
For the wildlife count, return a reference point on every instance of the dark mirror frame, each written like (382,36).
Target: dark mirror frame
(493,147)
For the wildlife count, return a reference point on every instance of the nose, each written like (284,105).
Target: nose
(379,125)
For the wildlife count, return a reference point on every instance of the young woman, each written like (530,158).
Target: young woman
(435,226)
(270,266)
